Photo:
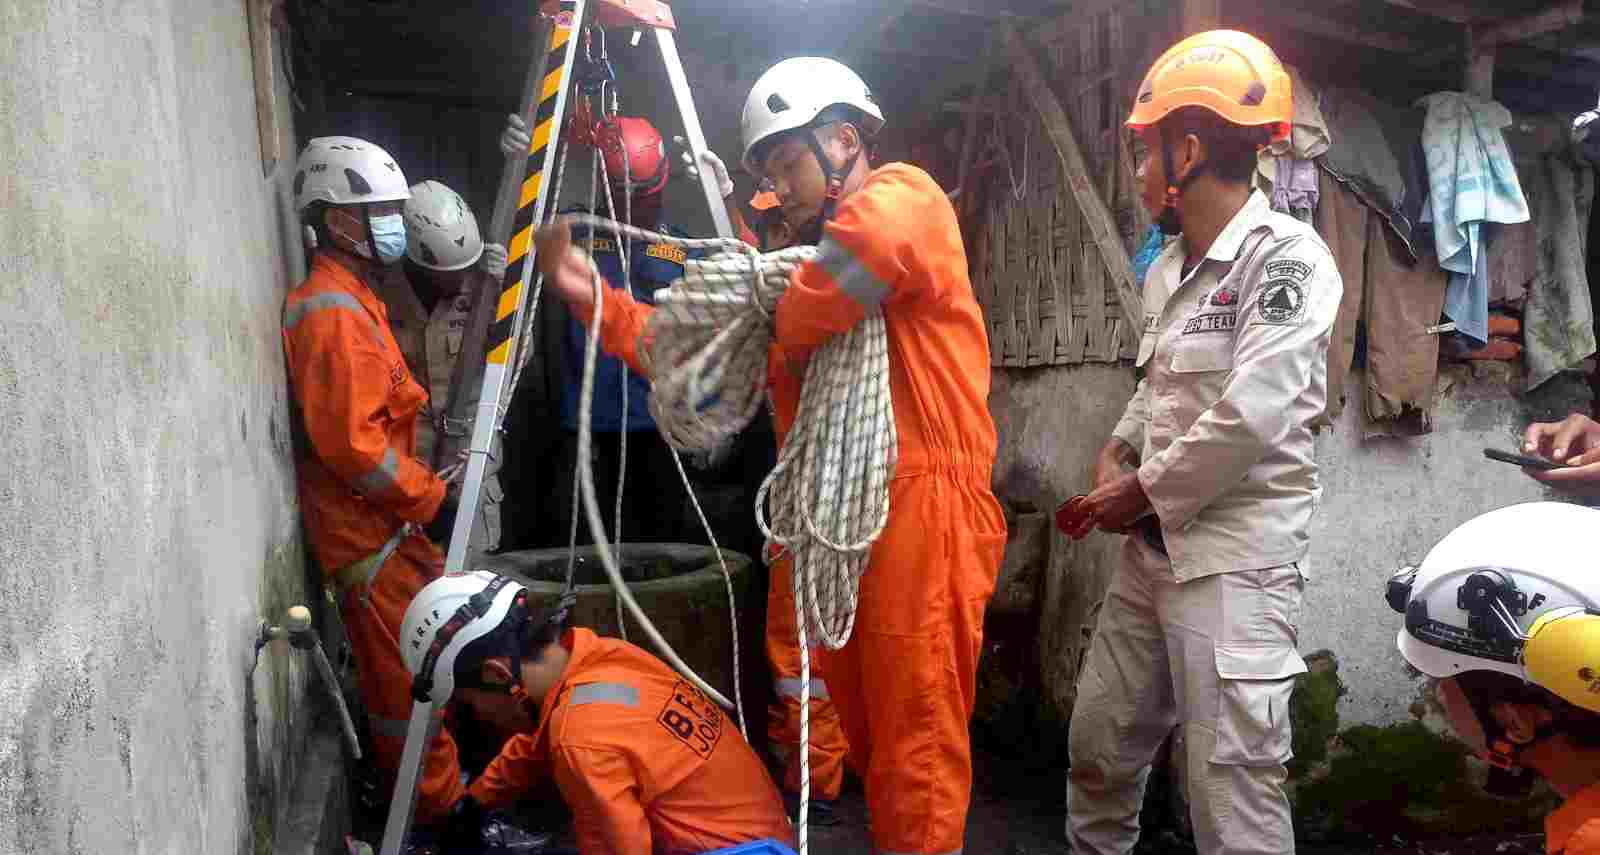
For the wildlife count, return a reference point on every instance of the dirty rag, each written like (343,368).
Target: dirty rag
(1558,321)
(1471,181)
(1363,157)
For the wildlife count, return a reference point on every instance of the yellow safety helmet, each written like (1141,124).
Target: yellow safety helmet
(1230,73)
(1562,655)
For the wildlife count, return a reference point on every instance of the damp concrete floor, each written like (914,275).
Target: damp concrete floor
(1008,817)
(1026,817)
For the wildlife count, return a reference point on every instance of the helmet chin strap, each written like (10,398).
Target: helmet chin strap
(811,233)
(1169,220)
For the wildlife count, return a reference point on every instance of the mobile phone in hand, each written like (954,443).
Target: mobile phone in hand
(1522,460)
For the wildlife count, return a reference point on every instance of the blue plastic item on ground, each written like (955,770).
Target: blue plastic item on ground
(760,847)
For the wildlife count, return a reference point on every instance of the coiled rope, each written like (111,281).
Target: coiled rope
(826,502)
(583,482)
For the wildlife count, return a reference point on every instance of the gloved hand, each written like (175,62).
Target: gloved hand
(493,261)
(709,160)
(439,528)
(514,140)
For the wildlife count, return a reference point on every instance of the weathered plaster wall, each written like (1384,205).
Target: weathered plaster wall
(147,510)
(1052,422)
(1387,501)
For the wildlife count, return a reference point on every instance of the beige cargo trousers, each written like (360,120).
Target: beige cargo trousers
(1217,656)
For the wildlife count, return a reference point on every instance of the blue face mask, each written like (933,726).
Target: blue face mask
(389,236)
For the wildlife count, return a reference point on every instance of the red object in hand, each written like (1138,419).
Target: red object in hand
(1070,516)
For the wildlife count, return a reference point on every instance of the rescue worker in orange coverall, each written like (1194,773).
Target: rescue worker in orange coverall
(371,508)
(887,239)
(646,762)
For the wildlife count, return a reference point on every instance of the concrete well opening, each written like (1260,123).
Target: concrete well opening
(679,585)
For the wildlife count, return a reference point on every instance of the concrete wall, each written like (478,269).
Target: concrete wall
(147,511)
(1387,501)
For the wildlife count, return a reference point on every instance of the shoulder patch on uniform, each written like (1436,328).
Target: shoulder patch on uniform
(667,251)
(1288,268)
(1282,301)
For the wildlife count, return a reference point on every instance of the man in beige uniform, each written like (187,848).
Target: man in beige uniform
(1199,627)
(429,299)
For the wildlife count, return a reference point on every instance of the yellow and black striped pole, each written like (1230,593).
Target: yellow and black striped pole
(551,79)
(550,87)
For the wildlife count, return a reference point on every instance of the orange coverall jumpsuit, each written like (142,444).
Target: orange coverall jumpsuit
(359,483)
(1574,828)
(646,762)
(828,747)
(905,684)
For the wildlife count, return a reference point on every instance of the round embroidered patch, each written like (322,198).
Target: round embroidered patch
(1282,301)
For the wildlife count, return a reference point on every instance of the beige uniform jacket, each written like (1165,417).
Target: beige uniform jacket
(431,344)
(1235,359)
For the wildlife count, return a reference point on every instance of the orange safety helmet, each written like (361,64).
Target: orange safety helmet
(1230,73)
(645,167)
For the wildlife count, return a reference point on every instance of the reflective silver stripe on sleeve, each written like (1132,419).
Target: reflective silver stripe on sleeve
(382,477)
(789,687)
(293,315)
(852,277)
(604,693)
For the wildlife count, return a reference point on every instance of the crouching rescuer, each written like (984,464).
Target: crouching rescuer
(646,762)
(1505,613)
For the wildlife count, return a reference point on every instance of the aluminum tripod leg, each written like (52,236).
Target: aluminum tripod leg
(691,129)
(419,735)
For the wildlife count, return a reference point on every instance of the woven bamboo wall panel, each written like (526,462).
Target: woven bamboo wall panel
(1038,274)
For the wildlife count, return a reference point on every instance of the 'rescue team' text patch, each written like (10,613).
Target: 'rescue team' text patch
(1211,323)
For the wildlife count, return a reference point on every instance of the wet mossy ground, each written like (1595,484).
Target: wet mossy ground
(1405,780)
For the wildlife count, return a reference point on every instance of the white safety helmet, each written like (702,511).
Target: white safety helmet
(793,93)
(1504,608)
(448,614)
(346,171)
(441,232)
(1480,593)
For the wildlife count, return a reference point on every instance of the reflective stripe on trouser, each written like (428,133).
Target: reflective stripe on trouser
(1216,655)
(386,684)
(827,744)
(906,682)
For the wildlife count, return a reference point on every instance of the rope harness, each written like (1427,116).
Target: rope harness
(826,502)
